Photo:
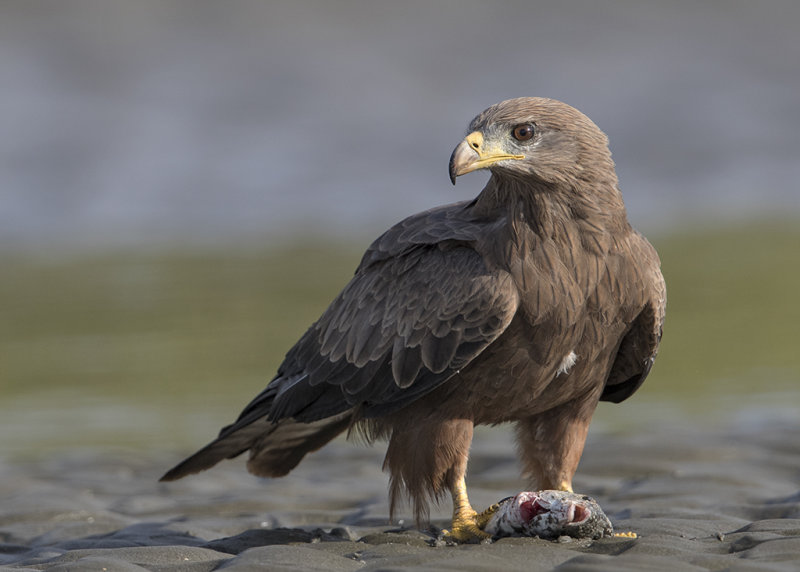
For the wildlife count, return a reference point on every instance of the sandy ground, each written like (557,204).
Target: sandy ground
(699,499)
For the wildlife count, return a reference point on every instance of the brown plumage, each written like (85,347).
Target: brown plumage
(528,304)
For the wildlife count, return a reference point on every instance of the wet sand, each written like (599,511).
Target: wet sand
(699,499)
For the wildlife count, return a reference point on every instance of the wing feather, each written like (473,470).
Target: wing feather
(422,304)
(639,346)
(438,352)
(406,363)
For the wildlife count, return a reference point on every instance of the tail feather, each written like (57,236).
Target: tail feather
(280,452)
(275,447)
(284,422)
(225,447)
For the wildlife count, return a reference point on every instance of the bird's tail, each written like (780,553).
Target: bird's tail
(276,447)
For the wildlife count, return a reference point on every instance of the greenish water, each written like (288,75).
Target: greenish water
(158,349)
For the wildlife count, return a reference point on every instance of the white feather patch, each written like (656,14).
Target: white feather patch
(567,363)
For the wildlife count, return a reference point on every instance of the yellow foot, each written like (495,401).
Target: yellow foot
(467,528)
(628,534)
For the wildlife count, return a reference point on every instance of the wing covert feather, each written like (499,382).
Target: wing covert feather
(408,321)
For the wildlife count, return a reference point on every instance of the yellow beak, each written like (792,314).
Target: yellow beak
(471,155)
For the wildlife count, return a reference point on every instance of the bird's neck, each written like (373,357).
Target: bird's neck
(548,210)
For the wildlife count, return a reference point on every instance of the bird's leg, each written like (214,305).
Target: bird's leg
(467,523)
(425,472)
(552,443)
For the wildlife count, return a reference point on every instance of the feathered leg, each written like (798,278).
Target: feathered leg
(551,443)
(427,457)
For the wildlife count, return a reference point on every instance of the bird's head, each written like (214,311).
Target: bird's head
(533,138)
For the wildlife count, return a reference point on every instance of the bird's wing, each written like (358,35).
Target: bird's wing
(415,313)
(399,329)
(639,346)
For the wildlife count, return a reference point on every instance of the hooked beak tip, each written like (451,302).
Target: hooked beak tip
(461,160)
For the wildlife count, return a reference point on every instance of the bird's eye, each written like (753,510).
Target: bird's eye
(523,132)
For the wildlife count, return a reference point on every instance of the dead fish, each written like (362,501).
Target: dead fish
(549,515)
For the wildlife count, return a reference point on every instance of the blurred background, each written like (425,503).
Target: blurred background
(185,185)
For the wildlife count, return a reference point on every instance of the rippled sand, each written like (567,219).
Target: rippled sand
(699,500)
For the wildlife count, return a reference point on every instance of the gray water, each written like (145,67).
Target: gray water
(134,122)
